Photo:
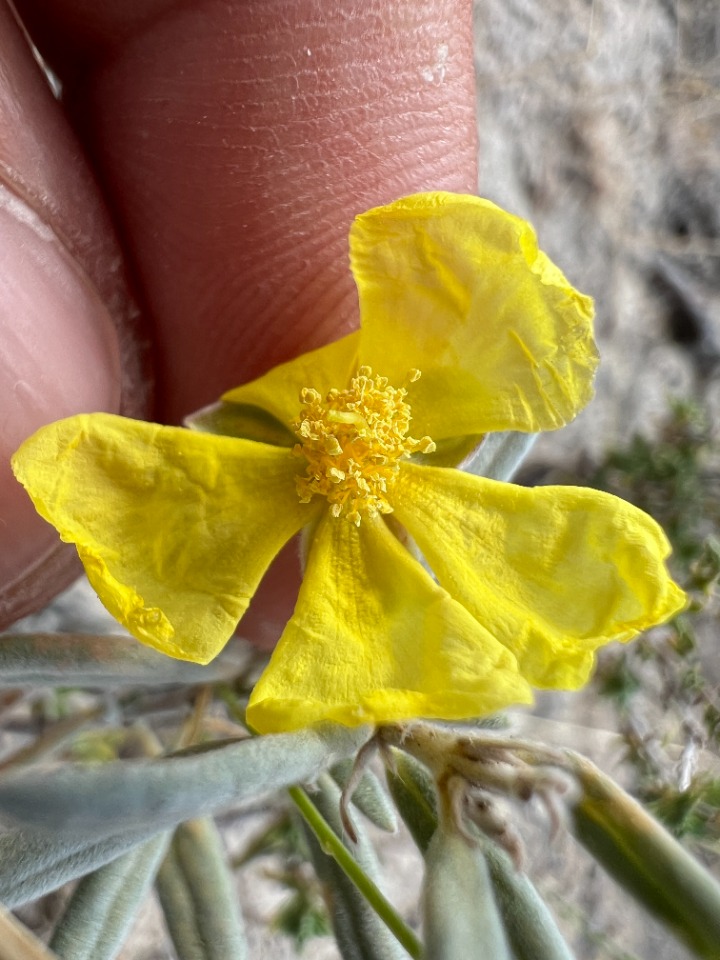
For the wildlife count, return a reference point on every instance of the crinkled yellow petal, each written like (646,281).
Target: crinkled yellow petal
(175,528)
(278,391)
(552,572)
(374,639)
(456,287)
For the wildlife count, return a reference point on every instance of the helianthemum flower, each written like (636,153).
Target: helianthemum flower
(466,328)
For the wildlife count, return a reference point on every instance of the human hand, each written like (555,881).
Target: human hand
(234,142)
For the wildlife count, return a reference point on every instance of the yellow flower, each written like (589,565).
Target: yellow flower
(466,328)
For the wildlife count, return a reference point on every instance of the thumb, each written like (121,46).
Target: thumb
(66,318)
(235,142)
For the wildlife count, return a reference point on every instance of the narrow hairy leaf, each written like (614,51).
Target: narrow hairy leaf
(359,931)
(413,790)
(529,925)
(369,796)
(105,904)
(241,420)
(645,859)
(154,794)
(198,896)
(85,660)
(461,920)
(32,862)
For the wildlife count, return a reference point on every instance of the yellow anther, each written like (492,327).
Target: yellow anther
(308,395)
(332,446)
(352,442)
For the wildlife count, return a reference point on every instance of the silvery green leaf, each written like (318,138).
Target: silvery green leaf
(241,420)
(198,896)
(461,920)
(369,796)
(413,791)
(131,795)
(105,904)
(76,659)
(499,455)
(449,451)
(645,859)
(531,928)
(359,932)
(33,863)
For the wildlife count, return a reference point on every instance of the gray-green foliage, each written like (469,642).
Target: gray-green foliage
(105,903)
(530,927)
(83,660)
(33,863)
(642,856)
(359,932)
(499,455)
(153,794)
(368,796)
(198,896)
(110,822)
(78,817)
(461,920)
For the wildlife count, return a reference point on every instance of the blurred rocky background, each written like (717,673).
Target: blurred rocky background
(599,122)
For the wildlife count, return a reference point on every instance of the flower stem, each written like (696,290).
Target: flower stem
(334,847)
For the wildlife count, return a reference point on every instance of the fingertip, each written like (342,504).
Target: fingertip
(240,139)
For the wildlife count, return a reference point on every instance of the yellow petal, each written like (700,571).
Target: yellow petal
(278,391)
(374,639)
(552,572)
(174,527)
(456,287)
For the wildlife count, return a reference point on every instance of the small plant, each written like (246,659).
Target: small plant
(472,339)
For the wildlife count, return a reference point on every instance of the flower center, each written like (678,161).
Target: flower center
(352,441)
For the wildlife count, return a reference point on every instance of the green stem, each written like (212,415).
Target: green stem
(333,846)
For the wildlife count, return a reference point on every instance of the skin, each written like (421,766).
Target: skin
(181,219)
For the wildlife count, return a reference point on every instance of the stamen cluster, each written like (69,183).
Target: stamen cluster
(352,441)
